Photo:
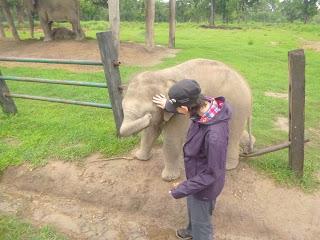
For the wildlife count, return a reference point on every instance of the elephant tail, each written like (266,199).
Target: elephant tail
(249,122)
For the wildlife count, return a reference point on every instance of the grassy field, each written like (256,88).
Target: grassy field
(14,229)
(45,131)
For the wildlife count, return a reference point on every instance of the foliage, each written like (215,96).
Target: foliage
(299,9)
(92,10)
(227,11)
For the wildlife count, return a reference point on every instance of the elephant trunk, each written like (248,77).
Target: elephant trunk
(128,128)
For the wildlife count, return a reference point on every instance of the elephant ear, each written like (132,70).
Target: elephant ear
(167,116)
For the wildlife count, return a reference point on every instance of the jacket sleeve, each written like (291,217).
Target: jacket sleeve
(215,150)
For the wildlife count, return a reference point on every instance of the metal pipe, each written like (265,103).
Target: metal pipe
(51,61)
(269,149)
(62,82)
(58,100)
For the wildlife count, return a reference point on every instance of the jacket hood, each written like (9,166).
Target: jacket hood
(223,115)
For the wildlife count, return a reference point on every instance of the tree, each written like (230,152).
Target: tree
(309,9)
(212,12)
(299,9)
(114,21)
(150,15)
(172,23)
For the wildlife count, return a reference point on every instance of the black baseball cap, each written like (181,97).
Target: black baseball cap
(183,93)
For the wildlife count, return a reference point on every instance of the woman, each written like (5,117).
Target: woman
(204,152)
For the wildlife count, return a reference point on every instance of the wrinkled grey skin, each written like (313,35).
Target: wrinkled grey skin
(50,11)
(140,114)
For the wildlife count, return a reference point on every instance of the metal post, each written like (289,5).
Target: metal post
(109,57)
(6,102)
(296,110)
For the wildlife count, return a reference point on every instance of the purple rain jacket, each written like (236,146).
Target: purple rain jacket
(205,153)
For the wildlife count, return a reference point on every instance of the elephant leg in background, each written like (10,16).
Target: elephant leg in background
(236,128)
(46,28)
(148,137)
(174,134)
(77,29)
(31,23)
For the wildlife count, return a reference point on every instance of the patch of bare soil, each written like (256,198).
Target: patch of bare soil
(130,53)
(126,200)
(282,123)
(277,95)
(314,45)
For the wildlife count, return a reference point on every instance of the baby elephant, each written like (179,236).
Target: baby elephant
(141,114)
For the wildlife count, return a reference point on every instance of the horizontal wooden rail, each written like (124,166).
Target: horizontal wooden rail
(58,100)
(49,81)
(51,61)
(269,149)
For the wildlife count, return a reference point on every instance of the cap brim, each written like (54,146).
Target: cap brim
(169,107)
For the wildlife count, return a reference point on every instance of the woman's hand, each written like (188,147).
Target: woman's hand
(160,100)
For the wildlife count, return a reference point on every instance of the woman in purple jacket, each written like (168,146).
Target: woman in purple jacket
(204,152)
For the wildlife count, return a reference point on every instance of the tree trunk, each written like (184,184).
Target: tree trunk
(2,32)
(212,13)
(6,10)
(172,23)
(114,21)
(150,15)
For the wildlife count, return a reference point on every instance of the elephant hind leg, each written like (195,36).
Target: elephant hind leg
(233,154)
(236,128)
(77,29)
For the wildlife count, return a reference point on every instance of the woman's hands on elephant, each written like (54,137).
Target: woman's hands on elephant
(160,100)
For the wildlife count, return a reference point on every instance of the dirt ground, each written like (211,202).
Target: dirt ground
(314,45)
(130,53)
(127,200)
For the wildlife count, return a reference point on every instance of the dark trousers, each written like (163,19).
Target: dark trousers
(200,218)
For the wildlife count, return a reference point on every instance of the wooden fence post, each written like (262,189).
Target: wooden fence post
(172,23)
(109,58)
(296,110)
(6,102)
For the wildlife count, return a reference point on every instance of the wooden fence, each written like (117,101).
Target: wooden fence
(109,61)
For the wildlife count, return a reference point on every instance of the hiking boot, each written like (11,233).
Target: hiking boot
(183,234)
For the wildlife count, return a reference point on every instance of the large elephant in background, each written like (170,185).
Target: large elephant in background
(50,11)
(140,114)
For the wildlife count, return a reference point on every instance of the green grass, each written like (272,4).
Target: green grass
(14,229)
(43,131)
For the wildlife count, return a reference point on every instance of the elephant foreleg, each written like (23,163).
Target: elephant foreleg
(174,134)
(46,29)
(149,136)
